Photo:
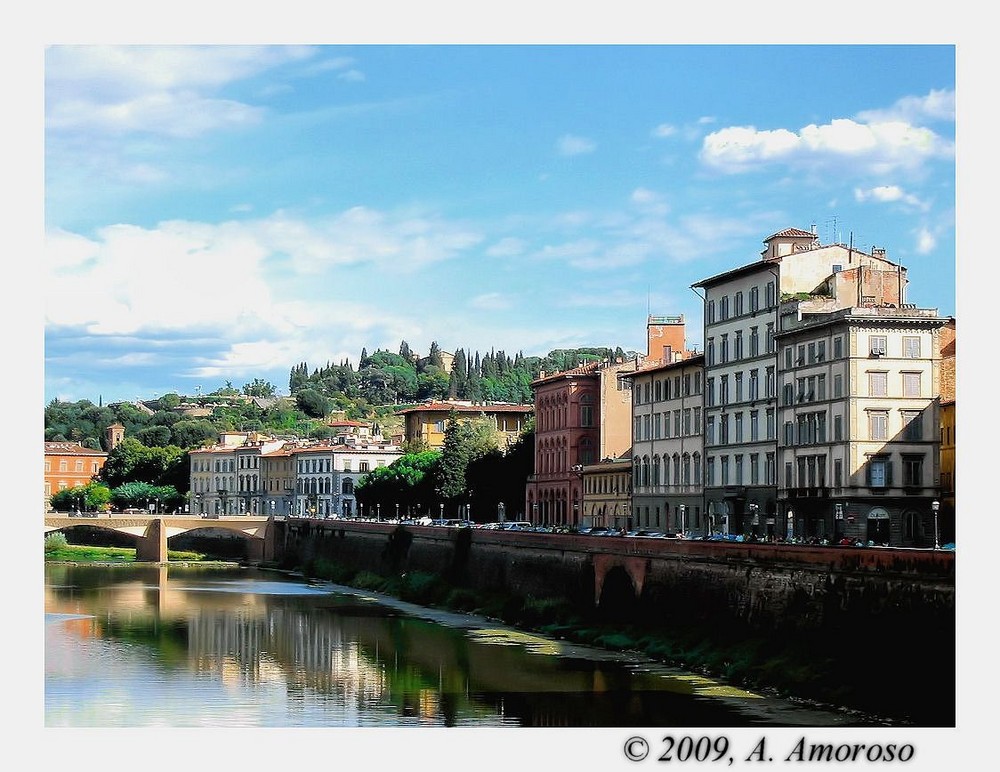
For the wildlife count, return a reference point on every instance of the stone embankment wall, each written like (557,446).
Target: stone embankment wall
(764,587)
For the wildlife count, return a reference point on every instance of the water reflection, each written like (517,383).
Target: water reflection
(147,646)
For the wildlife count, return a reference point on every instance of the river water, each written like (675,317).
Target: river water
(157,646)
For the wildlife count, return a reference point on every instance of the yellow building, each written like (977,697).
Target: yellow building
(425,424)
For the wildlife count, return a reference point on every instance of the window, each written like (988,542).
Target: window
(711,312)
(878,424)
(838,386)
(771,346)
(770,423)
(710,352)
(838,427)
(913,467)
(738,345)
(724,390)
(788,394)
(877,384)
(724,349)
(586,415)
(657,426)
(754,342)
(724,308)
(911,347)
(789,434)
(772,469)
(754,426)
(710,391)
(754,298)
(739,469)
(769,294)
(739,387)
(725,470)
(812,353)
(911,384)
(658,391)
(63,465)
(879,472)
(771,382)
(710,430)
(79,465)
(738,304)
(838,347)
(877,345)
(820,350)
(788,357)
(789,477)
(687,384)
(724,429)
(754,468)
(754,390)
(710,470)
(697,420)
(838,473)
(739,426)
(363,466)
(820,387)
(912,425)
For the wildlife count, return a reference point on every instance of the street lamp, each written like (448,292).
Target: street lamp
(442,510)
(683,509)
(197,503)
(790,530)
(838,521)
(501,511)
(935,506)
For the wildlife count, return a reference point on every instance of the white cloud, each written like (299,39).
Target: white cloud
(507,247)
(888,194)
(925,241)
(352,76)
(664,130)
(937,105)
(165,90)
(570,145)
(880,146)
(491,301)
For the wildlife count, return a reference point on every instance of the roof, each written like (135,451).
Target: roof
(346,423)
(445,407)
(70,449)
(791,233)
(590,368)
(696,360)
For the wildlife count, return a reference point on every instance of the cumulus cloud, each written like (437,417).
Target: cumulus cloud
(888,194)
(937,105)
(879,146)
(570,145)
(164,90)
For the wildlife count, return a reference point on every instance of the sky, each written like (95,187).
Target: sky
(218,214)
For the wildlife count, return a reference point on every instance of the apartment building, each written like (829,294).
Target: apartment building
(858,448)
(326,475)
(668,446)
(742,318)
(69,465)
(425,424)
(582,415)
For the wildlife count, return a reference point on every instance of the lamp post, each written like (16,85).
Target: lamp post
(197,504)
(935,506)
(683,509)
(442,510)
(501,512)
(378,511)
(534,512)
(397,511)
(838,521)
(754,517)
(790,529)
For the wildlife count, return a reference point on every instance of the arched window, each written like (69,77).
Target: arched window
(347,487)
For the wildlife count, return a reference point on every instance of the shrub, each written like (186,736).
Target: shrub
(55,541)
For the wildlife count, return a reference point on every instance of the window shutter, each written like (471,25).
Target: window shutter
(888,474)
(868,473)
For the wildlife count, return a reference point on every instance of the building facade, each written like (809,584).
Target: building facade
(668,447)
(425,424)
(607,494)
(744,308)
(582,415)
(69,465)
(858,454)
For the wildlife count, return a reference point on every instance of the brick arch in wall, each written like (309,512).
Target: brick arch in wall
(635,568)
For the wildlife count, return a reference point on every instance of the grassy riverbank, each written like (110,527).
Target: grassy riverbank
(58,549)
(787,668)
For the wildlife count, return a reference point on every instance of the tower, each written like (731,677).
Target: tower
(114,435)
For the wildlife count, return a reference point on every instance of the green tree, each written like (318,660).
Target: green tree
(193,433)
(259,388)
(312,403)
(407,481)
(154,435)
(455,455)
(131,461)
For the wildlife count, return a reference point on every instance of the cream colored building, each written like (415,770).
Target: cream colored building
(607,494)
(668,447)
(858,454)
(744,311)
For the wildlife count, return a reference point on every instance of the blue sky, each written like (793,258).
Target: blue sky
(221,213)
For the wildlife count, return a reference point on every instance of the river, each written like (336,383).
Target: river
(187,646)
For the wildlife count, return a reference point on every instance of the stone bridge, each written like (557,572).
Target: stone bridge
(152,531)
